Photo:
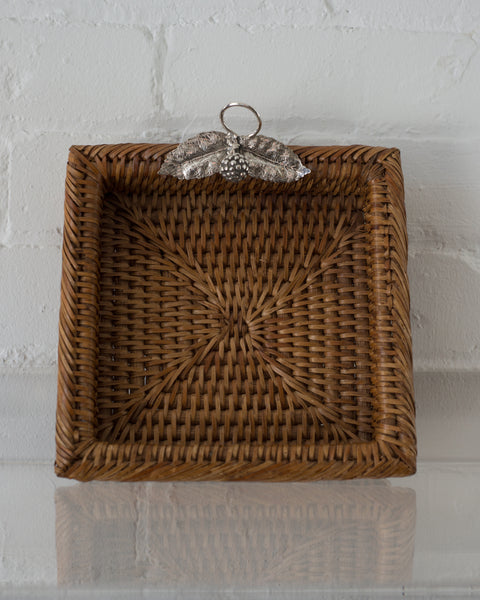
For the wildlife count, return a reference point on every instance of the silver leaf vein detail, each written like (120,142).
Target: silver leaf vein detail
(234,157)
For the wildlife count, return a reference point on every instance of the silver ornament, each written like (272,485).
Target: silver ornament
(234,156)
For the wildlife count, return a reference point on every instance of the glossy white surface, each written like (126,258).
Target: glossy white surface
(418,536)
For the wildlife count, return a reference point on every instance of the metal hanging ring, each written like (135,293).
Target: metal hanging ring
(250,108)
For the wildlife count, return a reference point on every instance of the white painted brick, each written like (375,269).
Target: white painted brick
(38,188)
(179,12)
(52,11)
(445,319)
(443,217)
(4,186)
(449,163)
(410,15)
(227,63)
(382,81)
(421,83)
(442,191)
(30,298)
(448,413)
(27,416)
(59,74)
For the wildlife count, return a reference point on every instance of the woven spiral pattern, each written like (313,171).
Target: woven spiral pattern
(212,329)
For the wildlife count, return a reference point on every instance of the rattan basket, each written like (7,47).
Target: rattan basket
(212,330)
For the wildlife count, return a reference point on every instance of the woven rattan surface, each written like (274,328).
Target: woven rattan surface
(211,330)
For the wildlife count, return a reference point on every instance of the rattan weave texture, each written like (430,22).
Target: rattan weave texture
(212,330)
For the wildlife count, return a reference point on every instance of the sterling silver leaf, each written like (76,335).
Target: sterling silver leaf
(197,157)
(271,160)
(202,155)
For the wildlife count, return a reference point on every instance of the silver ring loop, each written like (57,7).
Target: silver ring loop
(250,108)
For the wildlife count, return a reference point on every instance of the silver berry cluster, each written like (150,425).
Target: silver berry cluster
(234,167)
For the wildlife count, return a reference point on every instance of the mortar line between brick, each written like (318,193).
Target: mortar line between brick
(160,52)
(248,27)
(5,226)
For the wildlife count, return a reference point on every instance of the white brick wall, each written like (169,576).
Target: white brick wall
(376,72)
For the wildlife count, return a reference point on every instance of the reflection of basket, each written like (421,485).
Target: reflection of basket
(212,533)
(211,330)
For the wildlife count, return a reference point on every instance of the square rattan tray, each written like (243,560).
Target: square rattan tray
(212,330)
